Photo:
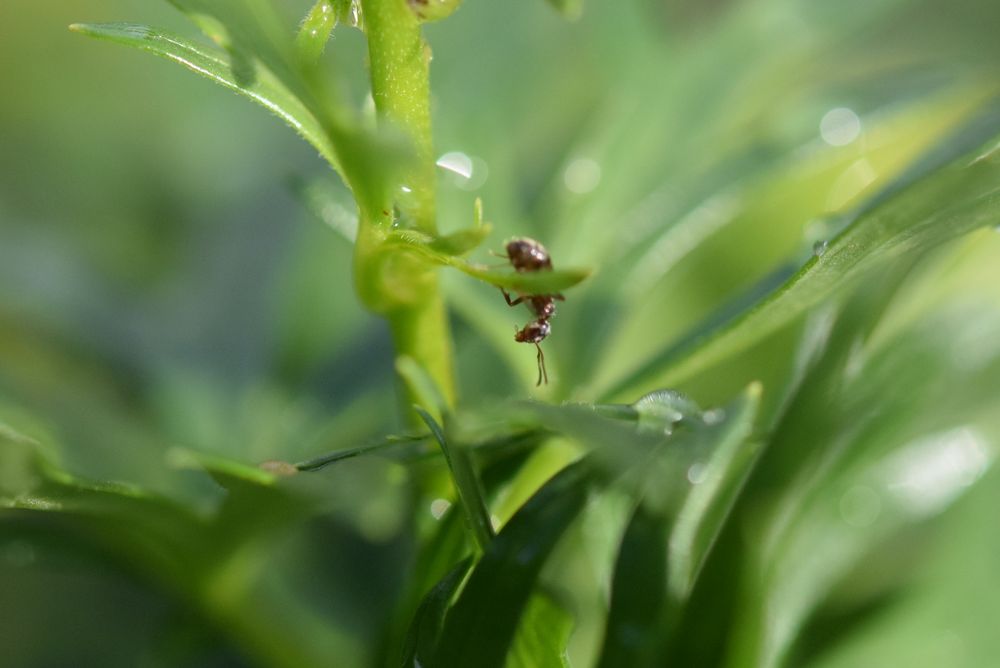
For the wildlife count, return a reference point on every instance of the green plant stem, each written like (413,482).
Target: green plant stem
(400,75)
(406,289)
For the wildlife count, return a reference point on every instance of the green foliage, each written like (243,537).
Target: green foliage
(776,374)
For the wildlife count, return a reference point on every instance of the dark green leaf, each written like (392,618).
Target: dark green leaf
(422,638)
(638,591)
(481,626)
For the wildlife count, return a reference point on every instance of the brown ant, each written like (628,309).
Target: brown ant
(527,255)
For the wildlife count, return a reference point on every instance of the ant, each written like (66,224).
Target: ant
(527,255)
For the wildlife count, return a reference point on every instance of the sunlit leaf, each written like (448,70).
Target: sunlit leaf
(443,252)
(718,480)
(952,192)
(543,635)
(264,88)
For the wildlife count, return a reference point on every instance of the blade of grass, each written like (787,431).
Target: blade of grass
(470,493)
(481,626)
(425,629)
(542,636)
(265,89)
(953,191)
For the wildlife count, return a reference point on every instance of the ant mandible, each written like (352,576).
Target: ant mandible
(527,255)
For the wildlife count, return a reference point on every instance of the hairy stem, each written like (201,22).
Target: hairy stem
(406,286)
(400,75)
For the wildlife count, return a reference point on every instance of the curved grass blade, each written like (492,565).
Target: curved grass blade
(414,442)
(447,546)
(422,387)
(481,626)
(264,88)
(470,492)
(683,506)
(639,588)
(543,635)
(952,191)
(718,482)
(422,637)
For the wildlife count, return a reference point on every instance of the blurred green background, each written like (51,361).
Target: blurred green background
(163,290)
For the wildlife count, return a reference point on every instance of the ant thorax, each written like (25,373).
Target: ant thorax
(528,255)
(544,306)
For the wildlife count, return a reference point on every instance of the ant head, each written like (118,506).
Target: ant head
(528,255)
(534,332)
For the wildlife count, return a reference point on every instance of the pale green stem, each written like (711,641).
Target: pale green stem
(406,286)
(400,74)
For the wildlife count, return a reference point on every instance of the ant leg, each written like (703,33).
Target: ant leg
(510,302)
(558,296)
(542,373)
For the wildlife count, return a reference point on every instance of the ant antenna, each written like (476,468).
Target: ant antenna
(499,264)
(542,373)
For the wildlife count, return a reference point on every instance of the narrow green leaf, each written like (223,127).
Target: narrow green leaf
(422,387)
(389,442)
(315,31)
(443,251)
(463,473)
(880,435)
(223,467)
(638,591)
(481,626)
(447,546)
(716,485)
(683,502)
(951,192)
(425,630)
(543,635)
(265,89)
(538,283)
(247,27)
(464,241)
